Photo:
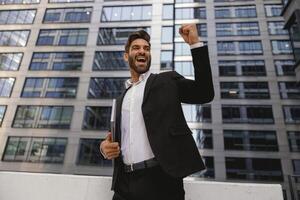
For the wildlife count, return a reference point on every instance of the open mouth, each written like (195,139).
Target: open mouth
(141,59)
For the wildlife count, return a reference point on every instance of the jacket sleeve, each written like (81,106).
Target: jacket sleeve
(200,90)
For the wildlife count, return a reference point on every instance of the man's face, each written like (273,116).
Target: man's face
(139,56)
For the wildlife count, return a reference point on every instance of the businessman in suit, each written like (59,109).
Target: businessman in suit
(153,147)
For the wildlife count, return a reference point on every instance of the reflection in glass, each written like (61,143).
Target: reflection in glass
(106,88)
(96,118)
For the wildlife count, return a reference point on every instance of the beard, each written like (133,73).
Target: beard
(139,68)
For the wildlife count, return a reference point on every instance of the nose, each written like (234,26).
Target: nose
(141,51)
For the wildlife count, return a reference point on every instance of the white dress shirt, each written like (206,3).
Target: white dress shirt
(135,144)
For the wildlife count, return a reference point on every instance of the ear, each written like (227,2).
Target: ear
(125,56)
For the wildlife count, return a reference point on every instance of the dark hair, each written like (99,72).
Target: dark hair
(140,34)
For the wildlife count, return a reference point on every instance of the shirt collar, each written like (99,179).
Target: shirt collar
(142,77)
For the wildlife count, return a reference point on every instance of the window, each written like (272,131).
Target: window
(247,140)
(291,114)
(242,68)
(54,117)
(258,114)
(244,90)
(167,34)
(62,37)
(197,113)
(182,49)
(96,118)
(6,2)
(106,88)
(185,68)
(237,29)
(6,86)
(2,112)
(273,10)
(239,47)
(276,28)
(293,27)
(201,28)
(50,87)
(296,166)
(203,138)
(68,15)
(166,60)
(109,60)
(17,16)
(117,36)
(235,12)
(294,140)
(263,169)
(210,169)
(70,1)
(35,149)
(190,13)
(289,90)
(10,61)
(62,61)
(285,67)
(281,47)
(168,11)
(89,154)
(126,13)
(14,38)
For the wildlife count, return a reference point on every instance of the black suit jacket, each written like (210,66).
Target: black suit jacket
(169,135)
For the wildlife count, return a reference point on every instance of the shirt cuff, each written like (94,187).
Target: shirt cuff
(197,45)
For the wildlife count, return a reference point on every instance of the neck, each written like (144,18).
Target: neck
(134,76)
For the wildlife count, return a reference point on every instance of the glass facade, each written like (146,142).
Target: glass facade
(106,88)
(126,13)
(6,86)
(35,149)
(62,61)
(89,154)
(109,60)
(56,117)
(10,61)
(62,37)
(246,140)
(50,87)
(14,38)
(2,112)
(117,35)
(96,118)
(244,90)
(257,114)
(242,68)
(68,15)
(197,113)
(17,16)
(254,169)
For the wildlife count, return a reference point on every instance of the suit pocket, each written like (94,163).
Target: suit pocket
(179,130)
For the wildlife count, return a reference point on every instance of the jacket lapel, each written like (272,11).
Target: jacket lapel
(118,116)
(149,82)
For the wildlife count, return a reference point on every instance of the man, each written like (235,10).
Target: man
(153,148)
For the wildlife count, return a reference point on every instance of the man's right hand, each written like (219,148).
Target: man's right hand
(109,148)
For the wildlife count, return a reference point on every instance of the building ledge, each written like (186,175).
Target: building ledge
(36,186)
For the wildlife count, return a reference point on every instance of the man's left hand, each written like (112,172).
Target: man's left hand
(189,33)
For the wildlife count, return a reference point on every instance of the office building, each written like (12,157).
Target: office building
(61,65)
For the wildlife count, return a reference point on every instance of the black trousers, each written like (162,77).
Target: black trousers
(148,184)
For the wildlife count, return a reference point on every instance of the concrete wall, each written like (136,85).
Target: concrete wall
(35,186)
